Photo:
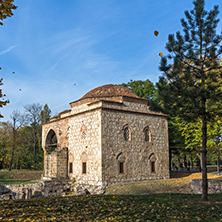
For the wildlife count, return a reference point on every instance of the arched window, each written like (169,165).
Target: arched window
(126,132)
(147,134)
(83,131)
(121,165)
(153,160)
(51,141)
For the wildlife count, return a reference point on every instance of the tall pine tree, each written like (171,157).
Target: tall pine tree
(192,74)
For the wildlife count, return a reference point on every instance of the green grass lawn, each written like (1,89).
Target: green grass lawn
(153,207)
(13,181)
(19,176)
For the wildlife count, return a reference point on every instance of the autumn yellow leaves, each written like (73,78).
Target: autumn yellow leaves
(158,207)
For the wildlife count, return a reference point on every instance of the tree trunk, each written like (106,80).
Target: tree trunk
(204,119)
(16,167)
(3,163)
(35,146)
(218,161)
(170,158)
(13,151)
(204,158)
(200,166)
(191,161)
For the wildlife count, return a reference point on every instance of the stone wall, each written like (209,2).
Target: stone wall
(61,129)
(56,164)
(85,146)
(136,152)
(50,165)
(20,191)
(48,188)
(43,188)
(80,150)
(56,187)
(62,163)
(214,186)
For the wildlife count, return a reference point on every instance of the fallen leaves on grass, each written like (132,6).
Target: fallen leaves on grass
(179,183)
(158,207)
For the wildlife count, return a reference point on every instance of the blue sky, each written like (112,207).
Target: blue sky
(60,50)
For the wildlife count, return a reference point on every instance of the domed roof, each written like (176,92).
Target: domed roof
(109,90)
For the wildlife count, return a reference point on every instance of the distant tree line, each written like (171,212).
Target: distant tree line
(21,138)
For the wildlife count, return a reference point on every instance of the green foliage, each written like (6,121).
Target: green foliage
(191,131)
(20,145)
(3,102)
(193,77)
(4,141)
(144,89)
(45,114)
(215,132)
(33,115)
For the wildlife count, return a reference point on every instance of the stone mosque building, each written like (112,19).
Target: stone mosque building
(108,136)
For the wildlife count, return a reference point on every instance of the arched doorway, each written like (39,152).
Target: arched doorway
(51,141)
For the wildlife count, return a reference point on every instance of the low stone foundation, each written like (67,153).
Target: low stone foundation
(89,189)
(56,187)
(48,188)
(214,186)
(20,191)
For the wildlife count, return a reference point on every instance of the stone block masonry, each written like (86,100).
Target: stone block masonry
(136,153)
(56,164)
(47,188)
(214,186)
(20,191)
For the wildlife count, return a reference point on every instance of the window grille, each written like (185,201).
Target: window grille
(84,135)
(126,133)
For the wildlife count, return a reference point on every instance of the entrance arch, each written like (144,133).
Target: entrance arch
(51,141)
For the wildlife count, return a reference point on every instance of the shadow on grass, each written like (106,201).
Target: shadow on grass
(178,174)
